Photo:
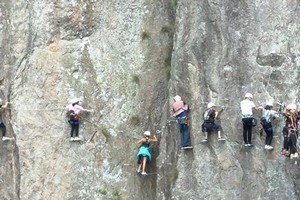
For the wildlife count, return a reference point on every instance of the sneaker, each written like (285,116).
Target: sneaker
(221,139)
(144,173)
(138,171)
(187,147)
(72,139)
(296,155)
(266,146)
(205,140)
(5,138)
(77,139)
(292,156)
(270,147)
(250,145)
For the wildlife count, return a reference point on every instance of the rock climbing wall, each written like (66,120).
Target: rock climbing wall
(109,55)
(223,49)
(126,61)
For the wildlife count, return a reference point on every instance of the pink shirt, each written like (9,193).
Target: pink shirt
(178,107)
(77,108)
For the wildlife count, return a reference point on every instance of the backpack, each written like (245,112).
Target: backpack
(206,115)
(73,116)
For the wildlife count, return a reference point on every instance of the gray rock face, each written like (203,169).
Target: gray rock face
(126,61)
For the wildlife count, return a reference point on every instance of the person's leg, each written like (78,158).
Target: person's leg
(204,131)
(181,133)
(245,130)
(293,143)
(186,136)
(285,138)
(270,136)
(139,169)
(205,136)
(219,135)
(250,132)
(218,128)
(72,129)
(3,127)
(267,135)
(76,129)
(144,162)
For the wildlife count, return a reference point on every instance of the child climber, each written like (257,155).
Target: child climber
(144,154)
(74,109)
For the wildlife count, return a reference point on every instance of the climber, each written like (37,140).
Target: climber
(290,131)
(74,109)
(247,107)
(2,125)
(266,120)
(144,154)
(209,124)
(180,111)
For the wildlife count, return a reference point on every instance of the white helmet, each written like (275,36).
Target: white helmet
(269,103)
(248,95)
(75,100)
(147,133)
(292,106)
(210,104)
(177,98)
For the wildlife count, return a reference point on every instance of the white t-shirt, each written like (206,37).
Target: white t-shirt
(247,106)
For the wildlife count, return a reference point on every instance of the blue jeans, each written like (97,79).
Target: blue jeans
(184,134)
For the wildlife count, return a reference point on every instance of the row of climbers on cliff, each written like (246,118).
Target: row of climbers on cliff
(3,107)
(290,131)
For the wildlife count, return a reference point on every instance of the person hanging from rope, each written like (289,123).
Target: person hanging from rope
(144,154)
(268,114)
(73,111)
(209,125)
(180,112)
(247,107)
(3,107)
(290,131)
